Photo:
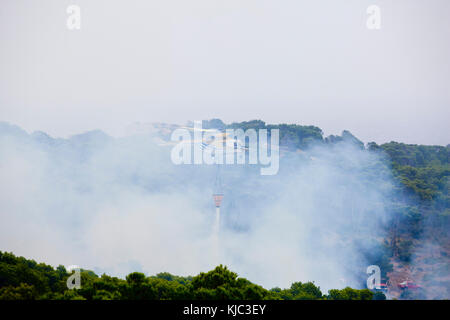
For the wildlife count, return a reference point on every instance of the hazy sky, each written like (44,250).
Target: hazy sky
(306,62)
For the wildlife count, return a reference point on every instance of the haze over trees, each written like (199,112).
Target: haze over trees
(418,206)
(23,279)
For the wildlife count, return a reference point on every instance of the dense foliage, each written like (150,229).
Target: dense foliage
(422,201)
(21,278)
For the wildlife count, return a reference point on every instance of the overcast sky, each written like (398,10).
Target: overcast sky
(307,62)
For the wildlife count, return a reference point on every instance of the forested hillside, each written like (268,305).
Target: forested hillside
(422,172)
(411,243)
(420,205)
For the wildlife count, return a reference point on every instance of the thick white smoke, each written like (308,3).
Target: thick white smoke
(120,205)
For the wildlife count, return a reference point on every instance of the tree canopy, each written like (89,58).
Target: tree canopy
(23,279)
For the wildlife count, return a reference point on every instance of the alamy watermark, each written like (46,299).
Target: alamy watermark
(374,18)
(74,18)
(374,279)
(228,147)
(74,281)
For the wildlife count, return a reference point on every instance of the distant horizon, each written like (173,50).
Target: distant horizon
(325,135)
